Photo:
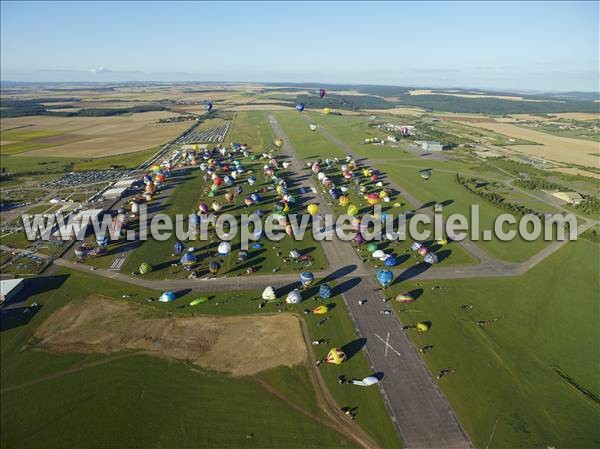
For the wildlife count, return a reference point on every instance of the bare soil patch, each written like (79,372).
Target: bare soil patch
(240,346)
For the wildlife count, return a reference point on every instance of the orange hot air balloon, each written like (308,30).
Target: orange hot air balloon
(344,200)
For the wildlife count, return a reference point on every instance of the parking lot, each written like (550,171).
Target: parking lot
(88,177)
(214,135)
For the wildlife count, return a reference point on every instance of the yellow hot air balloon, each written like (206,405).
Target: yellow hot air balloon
(383,194)
(422,327)
(326,111)
(278,143)
(442,242)
(352,210)
(344,200)
(312,209)
(320,310)
(336,356)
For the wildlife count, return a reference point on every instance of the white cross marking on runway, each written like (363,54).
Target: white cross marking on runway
(388,345)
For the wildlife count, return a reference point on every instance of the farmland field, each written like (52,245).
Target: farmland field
(87,136)
(561,149)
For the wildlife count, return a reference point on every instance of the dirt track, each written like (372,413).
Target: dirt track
(99,325)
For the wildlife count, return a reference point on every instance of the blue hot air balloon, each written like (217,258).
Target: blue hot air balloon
(325,291)
(385,277)
(390,262)
(256,197)
(194,219)
(208,105)
(178,248)
(188,259)
(300,107)
(306,278)
(102,241)
(167,297)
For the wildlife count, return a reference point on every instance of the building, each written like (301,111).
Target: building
(114,193)
(573,198)
(127,183)
(428,145)
(9,288)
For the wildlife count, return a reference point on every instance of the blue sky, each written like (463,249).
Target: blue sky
(502,45)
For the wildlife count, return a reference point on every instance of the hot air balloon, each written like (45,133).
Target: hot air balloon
(278,143)
(373,199)
(336,356)
(344,200)
(321,93)
(203,208)
(80,252)
(320,310)
(312,209)
(442,242)
(385,277)
(390,261)
(416,246)
(366,382)
(313,126)
(214,267)
(306,278)
(423,326)
(229,196)
(150,187)
(208,105)
(325,291)
(326,111)
(224,248)
(167,297)
(404,297)
(299,107)
(251,180)
(248,201)
(359,239)
(178,248)
(431,258)
(216,206)
(102,241)
(425,174)
(423,251)
(200,300)
(145,268)
(293,297)
(371,247)
(352,210)
(268,294)
(188,259)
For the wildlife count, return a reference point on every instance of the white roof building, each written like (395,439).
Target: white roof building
(114,193)
(9,288)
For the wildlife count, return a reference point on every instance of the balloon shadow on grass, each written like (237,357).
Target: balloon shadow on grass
(352,348)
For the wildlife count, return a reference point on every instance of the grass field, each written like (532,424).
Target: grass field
(506,389)
(442,186)
(252,129)
(184,405)
(128,160)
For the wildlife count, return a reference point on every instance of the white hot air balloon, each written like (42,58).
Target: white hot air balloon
(293,297)
(269,294)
